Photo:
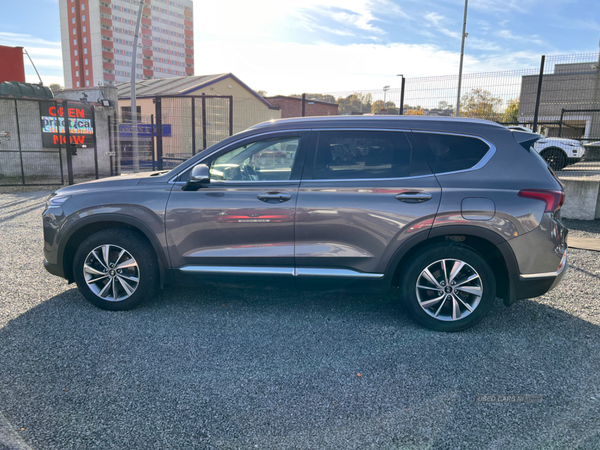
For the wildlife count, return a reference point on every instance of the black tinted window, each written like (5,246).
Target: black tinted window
(362,154)
(449,153)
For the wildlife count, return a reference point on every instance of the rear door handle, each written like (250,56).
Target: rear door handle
(274,197)
(413,197)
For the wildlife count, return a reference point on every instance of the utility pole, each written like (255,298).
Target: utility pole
(134,118)
(462,54)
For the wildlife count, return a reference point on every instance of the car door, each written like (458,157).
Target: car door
(242,222)
(368,192)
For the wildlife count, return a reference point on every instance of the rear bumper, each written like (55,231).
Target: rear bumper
(535,287)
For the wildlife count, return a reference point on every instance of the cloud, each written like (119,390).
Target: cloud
(435,20)
(23,40)
(534,38)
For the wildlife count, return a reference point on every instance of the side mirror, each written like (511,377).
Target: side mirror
(199,177)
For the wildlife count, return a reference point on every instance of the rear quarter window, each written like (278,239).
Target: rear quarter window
(451,153)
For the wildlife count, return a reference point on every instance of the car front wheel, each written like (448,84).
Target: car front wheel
(448,287)
(115,269)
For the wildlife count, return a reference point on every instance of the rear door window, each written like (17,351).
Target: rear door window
(451,153)
(354,155)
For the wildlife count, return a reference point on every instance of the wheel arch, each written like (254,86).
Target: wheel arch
(553,147)
(491,246)
(90,225)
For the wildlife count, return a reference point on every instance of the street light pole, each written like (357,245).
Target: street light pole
(134,122)
(385,89)
(462,54)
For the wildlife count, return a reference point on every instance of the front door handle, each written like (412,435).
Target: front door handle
(274,197)
(414,197)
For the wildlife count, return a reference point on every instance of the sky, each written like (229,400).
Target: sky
(294,46)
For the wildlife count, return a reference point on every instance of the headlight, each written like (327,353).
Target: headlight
(57,200)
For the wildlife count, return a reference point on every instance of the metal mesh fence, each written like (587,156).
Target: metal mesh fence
(23,158)
(568,114)
(122,146)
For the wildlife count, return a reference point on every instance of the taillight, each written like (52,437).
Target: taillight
(553,199)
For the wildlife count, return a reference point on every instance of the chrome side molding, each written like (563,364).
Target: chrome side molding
(286,271)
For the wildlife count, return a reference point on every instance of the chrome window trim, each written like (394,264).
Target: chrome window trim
(172,179)
(322,180)
(482,162)
(288,271)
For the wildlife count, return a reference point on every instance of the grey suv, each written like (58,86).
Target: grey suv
(454,212)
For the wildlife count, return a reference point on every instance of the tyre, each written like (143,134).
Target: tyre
(555,157)
(115,269)
(448,287)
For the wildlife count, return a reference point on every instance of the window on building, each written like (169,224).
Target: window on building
(75,52)
(87,72)
(72,9)
(78,84)
(85,62)
(126,113)
(76,63)
(73,20)
(84,29)
(85,40)
(87,82)
(83,7)
(83,17)
(74,31)
(77,73)
(74,41)
(85,51)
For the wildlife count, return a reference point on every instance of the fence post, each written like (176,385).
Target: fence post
(203,122)
(152,141)
(539,94)
(303,105)
(231,115)
(193,126)
(562,114)
(65,114)
(95,141)
(401,109)
(159,143)
(19,139)
(62,171)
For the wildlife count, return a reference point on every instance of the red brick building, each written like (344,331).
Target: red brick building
(292,106)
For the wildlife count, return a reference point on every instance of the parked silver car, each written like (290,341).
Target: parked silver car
(455,212)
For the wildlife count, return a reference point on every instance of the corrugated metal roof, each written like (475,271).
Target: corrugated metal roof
(165,86)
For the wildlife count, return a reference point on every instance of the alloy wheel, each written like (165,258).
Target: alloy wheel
(111,272)
(449,289)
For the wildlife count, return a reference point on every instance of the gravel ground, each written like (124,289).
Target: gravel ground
(217,368)
(583,228)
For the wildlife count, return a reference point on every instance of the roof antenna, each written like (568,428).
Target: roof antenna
(36,71)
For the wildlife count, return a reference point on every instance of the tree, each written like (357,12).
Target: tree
(414,112)
(355,103)
(479,103)
(388,108)
(263,94)
(55,87)
(511,115)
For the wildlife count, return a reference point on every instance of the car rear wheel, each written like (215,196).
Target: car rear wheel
(115,269)
(555,157)
(448,287)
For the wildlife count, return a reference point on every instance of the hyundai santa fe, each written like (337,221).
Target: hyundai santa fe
(452,212)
